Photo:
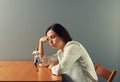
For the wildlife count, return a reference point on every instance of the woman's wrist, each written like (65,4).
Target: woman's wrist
(40,41)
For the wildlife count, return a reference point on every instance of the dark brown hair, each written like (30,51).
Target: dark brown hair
(60,31)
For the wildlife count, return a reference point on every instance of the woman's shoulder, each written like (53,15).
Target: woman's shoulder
(69,44)
(73,43)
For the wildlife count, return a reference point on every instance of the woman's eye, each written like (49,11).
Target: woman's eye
(52,37)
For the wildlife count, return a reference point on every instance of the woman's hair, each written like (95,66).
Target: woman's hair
(60,31)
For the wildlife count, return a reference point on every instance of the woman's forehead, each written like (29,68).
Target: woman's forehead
(51,32)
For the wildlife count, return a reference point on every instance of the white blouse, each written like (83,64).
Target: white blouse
(74,64)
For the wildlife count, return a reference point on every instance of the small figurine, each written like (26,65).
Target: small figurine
(37,59)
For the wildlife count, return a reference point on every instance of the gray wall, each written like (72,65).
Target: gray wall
(94,23)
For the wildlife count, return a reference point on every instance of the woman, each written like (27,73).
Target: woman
(71,60)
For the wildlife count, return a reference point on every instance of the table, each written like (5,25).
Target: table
(25,71)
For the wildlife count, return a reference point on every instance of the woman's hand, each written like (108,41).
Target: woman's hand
(43,39)
(44,62)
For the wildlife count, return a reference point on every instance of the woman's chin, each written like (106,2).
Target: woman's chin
(53,47)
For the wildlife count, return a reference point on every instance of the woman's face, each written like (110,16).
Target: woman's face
(54,40)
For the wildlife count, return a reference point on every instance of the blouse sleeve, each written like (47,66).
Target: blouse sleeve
(71,53)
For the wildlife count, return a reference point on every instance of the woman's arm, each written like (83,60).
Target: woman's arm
(46,60)
(41,48)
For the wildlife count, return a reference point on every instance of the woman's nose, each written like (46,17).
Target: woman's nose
(50,41)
